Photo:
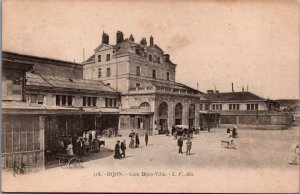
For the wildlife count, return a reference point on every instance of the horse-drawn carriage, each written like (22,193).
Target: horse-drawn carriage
(182,130)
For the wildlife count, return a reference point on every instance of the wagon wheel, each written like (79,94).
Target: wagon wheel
(74,162)
(64,163)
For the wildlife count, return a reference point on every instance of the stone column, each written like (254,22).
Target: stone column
(42,140)
(171,114)
(185,113)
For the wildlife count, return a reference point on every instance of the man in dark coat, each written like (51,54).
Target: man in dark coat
(117,151)
(137,140)
(146,138)
(180,143)
(123,148)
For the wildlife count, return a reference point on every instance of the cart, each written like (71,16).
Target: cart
(69,161)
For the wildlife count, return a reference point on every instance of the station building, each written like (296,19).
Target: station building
(145,76)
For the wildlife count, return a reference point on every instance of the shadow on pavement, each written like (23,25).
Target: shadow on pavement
(104,152)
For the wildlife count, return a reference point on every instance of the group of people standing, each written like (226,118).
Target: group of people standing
(120,150)
(188,145)
(231,133)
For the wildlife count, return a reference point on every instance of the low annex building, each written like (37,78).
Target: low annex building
(242,108)
(45,99)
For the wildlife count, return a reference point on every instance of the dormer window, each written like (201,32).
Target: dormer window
(108,57)
(99,58)
(150,57)
(137,51)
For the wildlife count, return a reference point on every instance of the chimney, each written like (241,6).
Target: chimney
(143,42)
(243,89)
(151,40)
(232,87)
(131,38)
(167,57)
(120,37)
(105,38)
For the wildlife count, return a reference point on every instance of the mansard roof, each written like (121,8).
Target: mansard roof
(45,81)
(233,96)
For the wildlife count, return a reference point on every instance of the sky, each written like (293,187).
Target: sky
(215,43)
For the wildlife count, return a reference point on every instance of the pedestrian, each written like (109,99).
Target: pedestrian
(146,138)
(231,141)
(188,146)
(180,143)
(117,151)
(123,148)
(228,132)
(70,149)
(137,140)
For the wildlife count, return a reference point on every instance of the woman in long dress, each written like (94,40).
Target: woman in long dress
(117,151)
(131,144)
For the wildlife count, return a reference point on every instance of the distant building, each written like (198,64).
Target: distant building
(241,108)
(145,76)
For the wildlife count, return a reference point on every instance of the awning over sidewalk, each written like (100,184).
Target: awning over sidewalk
(92,110)
(135,111)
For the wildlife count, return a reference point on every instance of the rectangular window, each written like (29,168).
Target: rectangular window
(107,72)
(220,106)
(40,99)
(108,57)
(137,85)
(252,106)
(110,102)
(138,70)
(63,100)
(89,101)
(214,107)
(248,107)
(99,73)
(168,76)
(84,101)
(70,100)
(154,73)
(150,57)
(33,98)
(58,100)
(237,107)
(230,106)
(256,106)
(206,106)
(94,101)
(158,59)
(99,58)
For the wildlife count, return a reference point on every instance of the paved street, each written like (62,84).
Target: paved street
(260,163)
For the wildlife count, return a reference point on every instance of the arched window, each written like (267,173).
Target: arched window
(192,111)
(163,110)
(178,110)
(145,105)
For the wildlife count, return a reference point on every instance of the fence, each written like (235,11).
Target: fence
(264,119)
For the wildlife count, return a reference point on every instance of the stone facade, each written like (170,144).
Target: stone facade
(143,74)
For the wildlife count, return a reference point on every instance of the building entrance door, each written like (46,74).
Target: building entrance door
(178,121)
(140,123)
(163,124)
